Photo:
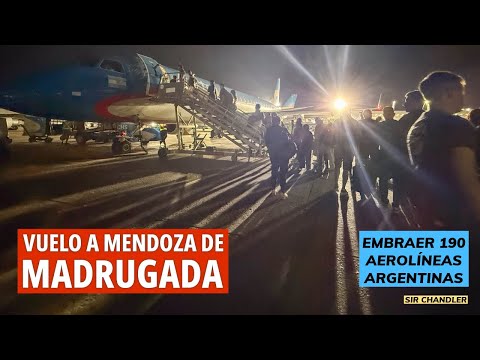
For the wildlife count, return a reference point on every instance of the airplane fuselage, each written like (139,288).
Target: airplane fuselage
(116,89)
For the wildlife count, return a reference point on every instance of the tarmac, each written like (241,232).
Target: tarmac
(293,256)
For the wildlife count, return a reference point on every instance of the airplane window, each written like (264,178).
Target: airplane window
(112,65)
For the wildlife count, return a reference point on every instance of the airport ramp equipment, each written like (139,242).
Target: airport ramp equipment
(233,125)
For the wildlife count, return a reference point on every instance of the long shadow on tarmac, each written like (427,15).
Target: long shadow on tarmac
(353,295)
(287,266)
(215,182)
(41,153)
(282,262)
(135,199)
(368,216)
(77,180)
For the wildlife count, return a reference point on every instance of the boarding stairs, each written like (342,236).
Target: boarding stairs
(233,125)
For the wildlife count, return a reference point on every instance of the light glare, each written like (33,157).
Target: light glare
(340,104)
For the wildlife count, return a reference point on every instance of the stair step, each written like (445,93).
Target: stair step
(234,127)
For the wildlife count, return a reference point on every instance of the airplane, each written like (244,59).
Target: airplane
(110,89)
(337,106)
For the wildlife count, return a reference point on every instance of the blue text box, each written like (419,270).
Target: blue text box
(407,258)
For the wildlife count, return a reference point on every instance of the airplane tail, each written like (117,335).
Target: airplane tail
(276,93)
(385,99)
(290,103)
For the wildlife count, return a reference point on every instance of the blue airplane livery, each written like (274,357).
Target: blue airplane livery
(113,89)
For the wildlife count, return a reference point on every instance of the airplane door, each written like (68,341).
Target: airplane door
(154,74)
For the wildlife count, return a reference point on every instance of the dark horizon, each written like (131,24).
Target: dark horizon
(357,72)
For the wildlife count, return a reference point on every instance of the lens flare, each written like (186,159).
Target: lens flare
(339,104)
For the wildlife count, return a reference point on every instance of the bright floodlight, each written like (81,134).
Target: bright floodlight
(340,104)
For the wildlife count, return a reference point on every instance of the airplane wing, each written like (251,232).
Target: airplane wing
(322,110)
(297,110)
(306,111)
(11,114)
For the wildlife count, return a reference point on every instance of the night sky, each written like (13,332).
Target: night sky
(357,72)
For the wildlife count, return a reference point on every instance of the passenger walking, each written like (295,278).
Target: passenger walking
(181,70)
(192,80)
(344,130)
(226,98)
(414,107)
(258,114)
(212,91)
(234,96)
(223,95)
(67,130)
(329,141)
(318,143)
(297,138)
(442,148)
(277,141)
(367,143)
(306,148)
(389,154)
